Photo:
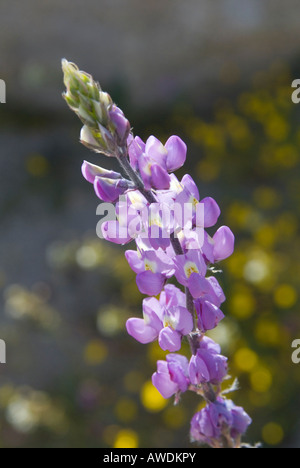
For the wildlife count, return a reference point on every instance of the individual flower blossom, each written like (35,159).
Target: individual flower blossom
(190,270)
(214,292)
(219,423)
(91,171)
(113,231)
(109,190)
(128,224)
(169,196)
(241,420)
(204,213)
(207,365)
(155,160)
(153,174)
(209,345)
(136,147)
(211,211)
(171,376)
(120,124)
(167,323)
(213,249)
(159,224)
(152,268)
(223,241)
(208,315)
(172,296)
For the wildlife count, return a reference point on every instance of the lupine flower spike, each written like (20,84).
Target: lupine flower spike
(166,219)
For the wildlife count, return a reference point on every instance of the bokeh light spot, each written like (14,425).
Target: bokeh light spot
(95,352)
(267,331)
(174,417)
(285,296)
(261,379)
(126,438)
(37,165)
(126,409)
(272,433)
(151,398)
(133,381)
(242,303)
(245,359)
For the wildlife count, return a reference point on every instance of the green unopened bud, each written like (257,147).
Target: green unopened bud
(100,140)
(84,96)
(105,126)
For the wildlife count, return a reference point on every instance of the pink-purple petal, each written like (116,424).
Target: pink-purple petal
(150,283)
(185,321)
(169,339)
(176,156)
(223,243)
(211,211)
(138,329)
(113,232)
(197,285)
(163,383)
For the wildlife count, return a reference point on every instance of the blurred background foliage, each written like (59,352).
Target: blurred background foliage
(73,377)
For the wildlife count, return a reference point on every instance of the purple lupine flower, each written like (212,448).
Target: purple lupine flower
(170,156)
(176,153)
(172,296)
(91,171)
(177,322)
(188,183)
(155,160)
(210,345)
(129,210)
(207,365)
(171,376)
(215,293)
(241,420)
(190,270)
(223,243)
(159,224)
(208,425)
(168,324)
(109,190)
(211,211)
(129,222)
(212,291)
(112,231)
(136,148)
(152,167)
(208,315)
(190,195)
(153,175)
(152,268)
(120,124)
(169,196)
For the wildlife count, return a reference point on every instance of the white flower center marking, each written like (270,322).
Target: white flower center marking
(189,268)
